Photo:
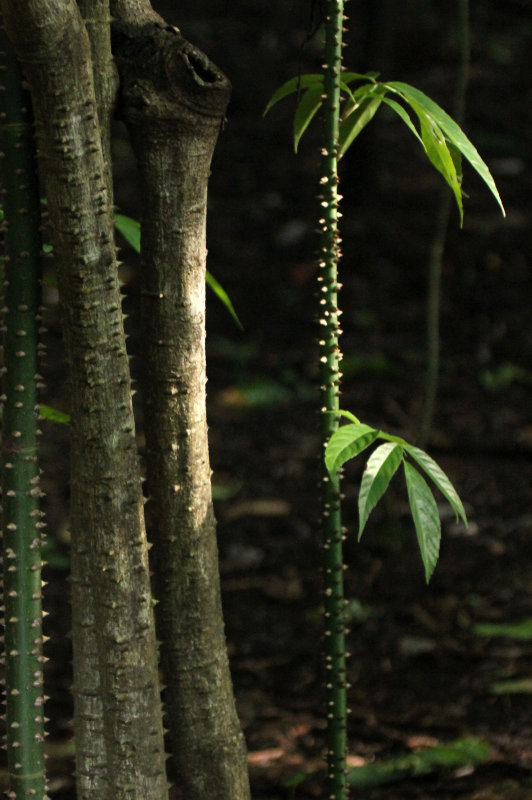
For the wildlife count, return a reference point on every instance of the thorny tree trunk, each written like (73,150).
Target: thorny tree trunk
(121,755)
(173,100)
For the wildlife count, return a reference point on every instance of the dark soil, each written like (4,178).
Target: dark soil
(419,673)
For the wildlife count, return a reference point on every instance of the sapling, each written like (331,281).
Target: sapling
(22,522)
(346,111)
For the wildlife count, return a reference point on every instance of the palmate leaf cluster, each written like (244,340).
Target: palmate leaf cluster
(351,439)
(442,139)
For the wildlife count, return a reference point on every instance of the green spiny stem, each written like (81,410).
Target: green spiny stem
(20,469)
(329,379)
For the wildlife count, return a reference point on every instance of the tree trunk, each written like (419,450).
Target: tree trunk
(173,100)
(120,753)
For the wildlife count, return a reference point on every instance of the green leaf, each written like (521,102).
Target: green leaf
(294,85)
(356,121)
(435,472)
(438,154)
(452,131)
(379,471)
(347,442)
(426,518)
(54,415)
(130,230)
(305,111)
(222,295)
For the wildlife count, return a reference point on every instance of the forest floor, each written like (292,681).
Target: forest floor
(422,673)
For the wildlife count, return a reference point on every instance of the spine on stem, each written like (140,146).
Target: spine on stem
(329,397)
(20,469)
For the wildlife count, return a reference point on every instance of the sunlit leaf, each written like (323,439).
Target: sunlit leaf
(222,295)
(347,442)
(452,131)
(438,154)
(379,471)
(294,85)
(305,111)
(435,473)
(426,518)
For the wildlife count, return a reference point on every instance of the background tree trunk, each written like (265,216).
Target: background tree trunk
(173,100)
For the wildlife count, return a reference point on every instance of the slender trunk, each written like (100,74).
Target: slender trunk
(88,703)
(108,538)
(173,100)
(333,581)
(22,525)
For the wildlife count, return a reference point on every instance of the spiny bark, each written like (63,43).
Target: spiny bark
(173,100)
(108,538)
(97,17)
(22,522)
(333,581)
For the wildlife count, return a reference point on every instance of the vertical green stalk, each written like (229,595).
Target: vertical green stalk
(329,397)
(438,243)
(20,469)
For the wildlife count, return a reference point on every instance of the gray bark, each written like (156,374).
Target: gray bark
(173,100)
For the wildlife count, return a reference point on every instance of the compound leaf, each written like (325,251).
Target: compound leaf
(379,471)
(426,518)
(346,443)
